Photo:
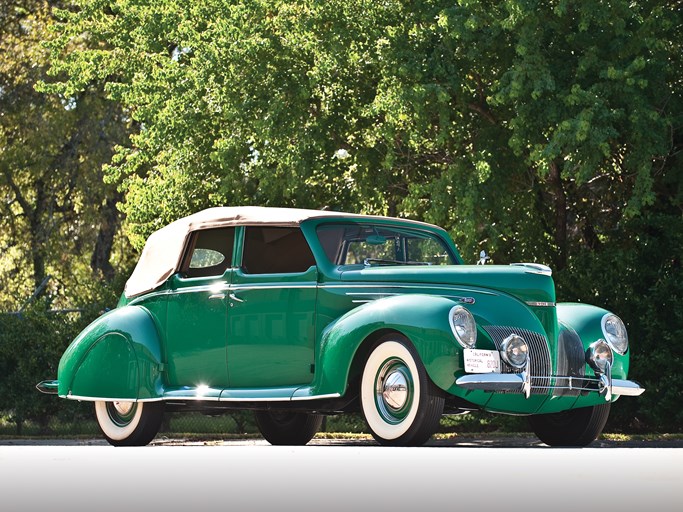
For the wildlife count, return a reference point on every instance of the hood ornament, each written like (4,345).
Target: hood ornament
(483,258)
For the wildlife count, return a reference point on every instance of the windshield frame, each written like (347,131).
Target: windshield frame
(401,232)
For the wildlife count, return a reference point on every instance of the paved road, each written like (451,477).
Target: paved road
(337,476)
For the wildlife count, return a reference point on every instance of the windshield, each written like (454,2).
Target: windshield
(370,245)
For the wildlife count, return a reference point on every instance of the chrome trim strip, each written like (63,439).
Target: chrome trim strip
(218,287)
(246,399)
(316,397)
(373,293)
(203,398)
(540,304)
(193,398)
(380,295)
(108,399)
(208,288)
(268,286)
(454,289)
(144,297)
(279,399)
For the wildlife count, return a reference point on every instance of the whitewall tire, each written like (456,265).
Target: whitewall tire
(400,403)
(129,423)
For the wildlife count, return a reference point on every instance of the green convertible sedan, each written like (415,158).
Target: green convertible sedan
(295,314)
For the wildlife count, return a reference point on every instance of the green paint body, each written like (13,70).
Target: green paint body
(278,336)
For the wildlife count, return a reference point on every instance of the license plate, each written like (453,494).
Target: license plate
(482,361)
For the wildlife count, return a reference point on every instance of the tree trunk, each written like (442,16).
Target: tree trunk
(110,219)
(560,215)
(39,232)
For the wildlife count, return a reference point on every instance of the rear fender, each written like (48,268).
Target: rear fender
(118,356)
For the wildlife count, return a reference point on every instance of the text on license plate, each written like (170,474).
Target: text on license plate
(482,361)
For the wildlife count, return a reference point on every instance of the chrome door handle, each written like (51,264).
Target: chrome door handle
(235,297)
(217,296)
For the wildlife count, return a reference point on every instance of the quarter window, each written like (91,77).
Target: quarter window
(209,252)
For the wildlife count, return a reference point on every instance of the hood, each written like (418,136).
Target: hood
(528,282)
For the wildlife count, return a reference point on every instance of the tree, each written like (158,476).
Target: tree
(510,114)
(55,206)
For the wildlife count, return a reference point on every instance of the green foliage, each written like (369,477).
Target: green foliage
(30,348)
(639,275)
(59,218)
(519,125)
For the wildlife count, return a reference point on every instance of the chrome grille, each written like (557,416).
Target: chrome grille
(539,355)
(571,361)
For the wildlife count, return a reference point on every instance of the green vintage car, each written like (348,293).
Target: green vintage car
(296,314)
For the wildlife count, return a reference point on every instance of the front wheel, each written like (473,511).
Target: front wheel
(129,423)
(401,404)
(288,428)
(575,427)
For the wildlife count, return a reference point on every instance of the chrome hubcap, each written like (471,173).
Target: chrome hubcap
(123,408)
(122,413)
(395,392)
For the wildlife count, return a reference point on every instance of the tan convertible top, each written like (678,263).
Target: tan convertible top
(163,251)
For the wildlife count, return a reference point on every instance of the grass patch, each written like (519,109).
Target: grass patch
(641,437)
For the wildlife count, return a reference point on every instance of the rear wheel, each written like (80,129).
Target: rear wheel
(129,423)
(401,404)
(576,427)
(288,428)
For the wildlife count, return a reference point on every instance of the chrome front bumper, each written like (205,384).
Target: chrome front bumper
(522,383)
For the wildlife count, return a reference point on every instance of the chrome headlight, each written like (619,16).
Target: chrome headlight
(463,326)
(514,351)
(598,355)
(614,331)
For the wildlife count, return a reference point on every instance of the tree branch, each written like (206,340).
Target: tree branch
(483,111)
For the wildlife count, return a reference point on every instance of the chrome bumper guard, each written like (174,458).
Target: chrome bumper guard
(522,383)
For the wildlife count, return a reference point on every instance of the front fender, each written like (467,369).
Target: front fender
(421,318)
(585,320)
(118,356)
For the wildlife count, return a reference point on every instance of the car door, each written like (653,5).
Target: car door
(271,319)
(197,312)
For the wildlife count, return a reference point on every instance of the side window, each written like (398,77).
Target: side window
(275,251)
(209,253)
(358,250)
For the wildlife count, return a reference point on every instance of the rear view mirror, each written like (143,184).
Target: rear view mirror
(376,240)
